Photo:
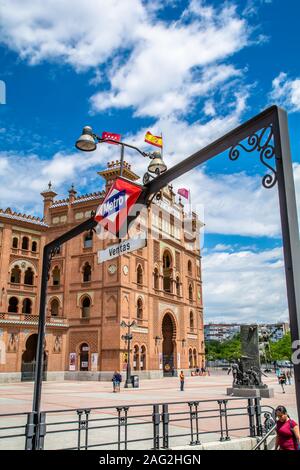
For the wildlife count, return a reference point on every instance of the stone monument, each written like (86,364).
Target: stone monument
(246,372)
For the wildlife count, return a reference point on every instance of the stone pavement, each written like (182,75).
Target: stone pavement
(17,398)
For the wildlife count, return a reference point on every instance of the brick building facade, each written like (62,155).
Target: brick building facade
(158,286)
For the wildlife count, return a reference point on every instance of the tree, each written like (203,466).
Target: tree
(282,349)
(228,350)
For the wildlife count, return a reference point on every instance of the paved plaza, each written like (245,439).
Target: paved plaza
(17,398)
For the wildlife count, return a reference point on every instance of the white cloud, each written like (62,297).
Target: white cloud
(167,65)
(22,187)
(222,247)
(171,65)
(82,34)
(244,286)
(286,92)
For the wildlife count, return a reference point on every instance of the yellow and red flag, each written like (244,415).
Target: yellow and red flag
(153,139)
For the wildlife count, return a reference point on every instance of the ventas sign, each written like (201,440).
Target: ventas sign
(113,212)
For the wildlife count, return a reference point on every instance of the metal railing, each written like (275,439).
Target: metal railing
(144,426)
(269,429)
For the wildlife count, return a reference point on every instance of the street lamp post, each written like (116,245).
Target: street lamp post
(128,337)
(88,140)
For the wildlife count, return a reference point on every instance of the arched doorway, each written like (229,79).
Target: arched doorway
(169,345)
(84,357)
(28,360)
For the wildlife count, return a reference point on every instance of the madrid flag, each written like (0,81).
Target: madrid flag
(111,136)
(113,212)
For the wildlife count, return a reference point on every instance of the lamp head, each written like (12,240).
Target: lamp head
(157,165)
(86,141)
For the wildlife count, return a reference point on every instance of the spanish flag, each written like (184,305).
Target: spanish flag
(153,140)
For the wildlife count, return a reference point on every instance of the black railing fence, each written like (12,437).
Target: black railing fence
(141,426)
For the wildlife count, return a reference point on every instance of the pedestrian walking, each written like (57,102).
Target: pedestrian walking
(282,381)
(181,378)
(288,437)
(116,380)
(288,376)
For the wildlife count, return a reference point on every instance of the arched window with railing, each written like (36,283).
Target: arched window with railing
(25,243)
(190,293)
(167,271)
(27,304)
(139,309)
(29,277)
(87,272)
(56,276)
(54,308)
(13,305)
(86,307)
(178,286)
(156,278)
(15,275)
(15,242)
(192,321)
(190,267)
(34,246)
(139,275)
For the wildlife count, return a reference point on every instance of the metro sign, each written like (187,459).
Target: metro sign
(113,212)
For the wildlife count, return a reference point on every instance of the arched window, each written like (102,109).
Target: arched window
(195,357)
(26,306)
(56,276)
(189,267)
(85,307)
(13,305)
(88,240)
(177,286)
(15,242)
(25,243)
(139,311)
(167,267)
(28,279)
(15,276)
(190,292)
(136,358)
(87,272)
(139,275)
(156,278)
(190,358)
(191,321)
(54,308)
(34,246)
(143,358)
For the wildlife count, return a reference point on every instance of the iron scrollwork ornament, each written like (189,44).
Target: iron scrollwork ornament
(262,142)
(54,251)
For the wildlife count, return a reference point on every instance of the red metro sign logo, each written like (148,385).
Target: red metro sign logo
(113,212)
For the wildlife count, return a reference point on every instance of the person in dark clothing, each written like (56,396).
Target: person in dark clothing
(181,378)
(116,380)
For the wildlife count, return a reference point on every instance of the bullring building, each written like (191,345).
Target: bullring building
(158,286)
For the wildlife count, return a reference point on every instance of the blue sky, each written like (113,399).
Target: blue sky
(190,69)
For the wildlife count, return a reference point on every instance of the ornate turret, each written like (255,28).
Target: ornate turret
(72,194)
(48,196)
(113,170)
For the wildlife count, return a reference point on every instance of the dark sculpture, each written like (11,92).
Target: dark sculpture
(246,371)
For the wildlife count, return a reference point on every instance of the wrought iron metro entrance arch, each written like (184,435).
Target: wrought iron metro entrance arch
(266,133)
